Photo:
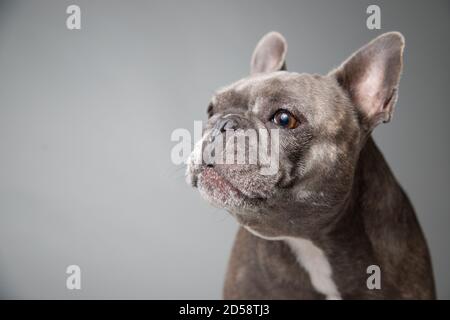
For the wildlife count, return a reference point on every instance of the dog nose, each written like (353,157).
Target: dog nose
(227,124)
(221,126)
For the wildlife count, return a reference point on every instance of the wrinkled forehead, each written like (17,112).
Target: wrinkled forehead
(317,97)
(275,85)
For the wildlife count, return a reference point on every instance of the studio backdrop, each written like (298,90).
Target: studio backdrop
(88,107)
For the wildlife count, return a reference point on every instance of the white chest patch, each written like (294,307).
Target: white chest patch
(314,261)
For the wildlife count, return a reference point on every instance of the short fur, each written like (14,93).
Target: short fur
(333,186)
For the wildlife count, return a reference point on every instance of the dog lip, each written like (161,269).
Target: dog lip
(218,181)
(215,180)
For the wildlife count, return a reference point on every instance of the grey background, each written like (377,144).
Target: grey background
(86,118)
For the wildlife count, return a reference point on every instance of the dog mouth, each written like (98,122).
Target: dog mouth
(220,192)
(210,178)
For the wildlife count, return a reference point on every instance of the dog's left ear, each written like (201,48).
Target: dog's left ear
(269,54)
(371,77)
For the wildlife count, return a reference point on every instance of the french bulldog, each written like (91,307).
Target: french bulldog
(333,209)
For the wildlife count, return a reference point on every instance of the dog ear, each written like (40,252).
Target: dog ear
(269,54)
(371,77)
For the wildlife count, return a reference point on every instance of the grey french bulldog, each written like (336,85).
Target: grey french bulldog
(333,208)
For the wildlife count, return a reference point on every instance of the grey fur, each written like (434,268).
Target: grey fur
(333,186)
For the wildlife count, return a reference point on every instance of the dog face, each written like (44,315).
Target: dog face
(321,124)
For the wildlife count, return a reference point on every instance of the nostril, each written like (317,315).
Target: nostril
(210,165)
(228,124)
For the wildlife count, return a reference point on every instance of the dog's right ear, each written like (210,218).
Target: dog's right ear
(269,54)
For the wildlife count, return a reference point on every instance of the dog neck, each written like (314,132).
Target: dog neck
(359,237)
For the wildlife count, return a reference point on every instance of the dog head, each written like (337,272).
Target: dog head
(320,122)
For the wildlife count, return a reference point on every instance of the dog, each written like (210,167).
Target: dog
(333,210)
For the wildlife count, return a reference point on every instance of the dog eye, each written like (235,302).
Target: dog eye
(284,119)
